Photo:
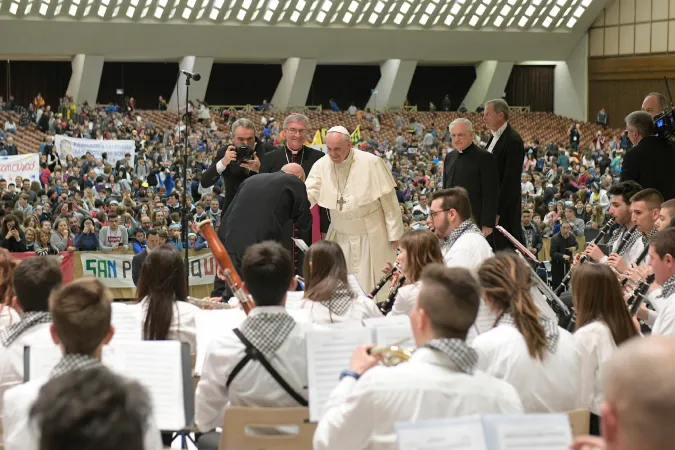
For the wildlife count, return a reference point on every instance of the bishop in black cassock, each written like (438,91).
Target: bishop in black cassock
(475,170)
(306,157)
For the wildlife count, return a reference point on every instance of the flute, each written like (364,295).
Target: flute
(386,306)
(565,281)
(383,280)
(231,276)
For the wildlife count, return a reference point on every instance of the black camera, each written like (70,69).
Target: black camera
(244,153)
(665,125)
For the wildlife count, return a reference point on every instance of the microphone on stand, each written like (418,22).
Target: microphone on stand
(191,75)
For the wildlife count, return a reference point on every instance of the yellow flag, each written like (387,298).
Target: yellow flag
(356,135)
(317,138)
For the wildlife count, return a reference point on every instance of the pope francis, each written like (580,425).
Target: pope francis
(359,193)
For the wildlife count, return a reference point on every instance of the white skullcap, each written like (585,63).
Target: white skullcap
(339,129)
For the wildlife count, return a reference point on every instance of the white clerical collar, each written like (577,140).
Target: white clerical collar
(294,152)
(500,130)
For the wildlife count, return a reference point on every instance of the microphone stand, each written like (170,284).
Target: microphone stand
(184,210)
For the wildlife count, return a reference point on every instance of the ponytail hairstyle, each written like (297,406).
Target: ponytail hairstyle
(506,281)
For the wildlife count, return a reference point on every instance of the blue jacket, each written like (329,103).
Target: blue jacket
(86,242)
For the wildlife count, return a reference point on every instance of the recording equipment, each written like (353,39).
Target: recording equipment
(564,284)
(639,293)
(665,122)
(385,307)
(383,280)
(191,75)
(244,153)
(231,276)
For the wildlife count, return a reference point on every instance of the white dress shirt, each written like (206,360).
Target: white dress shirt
(551,385)
(596,345)
(665,320)
(470,250)
(253,386)
(405,298)
(361,414)
(183,327)
(360,308)
(495,136)
(8,316)
(21,434)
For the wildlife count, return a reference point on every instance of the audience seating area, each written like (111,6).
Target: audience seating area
(546,127)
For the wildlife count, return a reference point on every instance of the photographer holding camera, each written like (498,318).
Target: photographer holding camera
(237,161)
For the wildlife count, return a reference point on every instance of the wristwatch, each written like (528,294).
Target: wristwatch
(349,373)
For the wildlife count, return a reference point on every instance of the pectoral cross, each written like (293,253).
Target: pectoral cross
(341,202)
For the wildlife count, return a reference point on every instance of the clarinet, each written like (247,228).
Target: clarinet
(638,295)
(386,277)
(625,240)
(386,306)
(565,282)
(638,261)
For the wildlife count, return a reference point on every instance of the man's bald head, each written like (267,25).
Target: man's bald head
(654,103)
(294,169)
(640,395)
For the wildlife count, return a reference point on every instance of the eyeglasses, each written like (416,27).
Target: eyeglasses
(432,214)
(295,131)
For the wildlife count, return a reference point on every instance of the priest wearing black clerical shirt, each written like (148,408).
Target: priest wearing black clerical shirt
(474,169)
(296,129)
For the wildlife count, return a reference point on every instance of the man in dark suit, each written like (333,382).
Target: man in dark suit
(507,147)
(651,160)
(475,170)
(261,210)
(296,128)
(152,239)
(225,166)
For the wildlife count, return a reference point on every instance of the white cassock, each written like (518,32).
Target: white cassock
(364,211)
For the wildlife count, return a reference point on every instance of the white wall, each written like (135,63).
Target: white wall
(570,97)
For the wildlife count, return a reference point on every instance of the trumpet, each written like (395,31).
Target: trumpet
(394,354)
(383,280)
(385,307)
(565,282)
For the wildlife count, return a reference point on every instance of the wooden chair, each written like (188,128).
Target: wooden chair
(580,421)
(238,419)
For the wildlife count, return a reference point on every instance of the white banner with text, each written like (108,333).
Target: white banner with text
(26,166)
(115,150)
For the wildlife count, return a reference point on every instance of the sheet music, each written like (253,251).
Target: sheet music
(354,285)
(157,365)
(328,354)
(302,245)
(128,323)
(527,432)
(465,433)
(211,324)
(42,360)
(388,330)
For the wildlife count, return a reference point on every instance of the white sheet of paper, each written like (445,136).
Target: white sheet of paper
(302,245)
(528,431)
(128,323)
(211,324)
(42,360)
(354,285)
(328,354)
(390,330)
(157,365)
(464,433)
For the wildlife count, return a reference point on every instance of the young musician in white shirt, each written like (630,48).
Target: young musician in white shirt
(33,280)
(81,313)
(8,315)
(662,261)
(328,297)
(526,348)
(450,216)
(418,248)
(267,272)
(440,380)
(162,296)
(602,324)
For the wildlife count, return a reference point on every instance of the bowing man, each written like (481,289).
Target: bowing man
(328,297)
(81,326)
(525,347)
(463,243)
(474,169)
(231,376)
(439,381)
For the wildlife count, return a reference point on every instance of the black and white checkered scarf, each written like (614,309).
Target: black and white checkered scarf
(616,234)
(340,300)
(70,363)
(267,331)
(668,288)
(466,227)
(648,237)
(464,357)
(28,321)
(631,240)
(550,329)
